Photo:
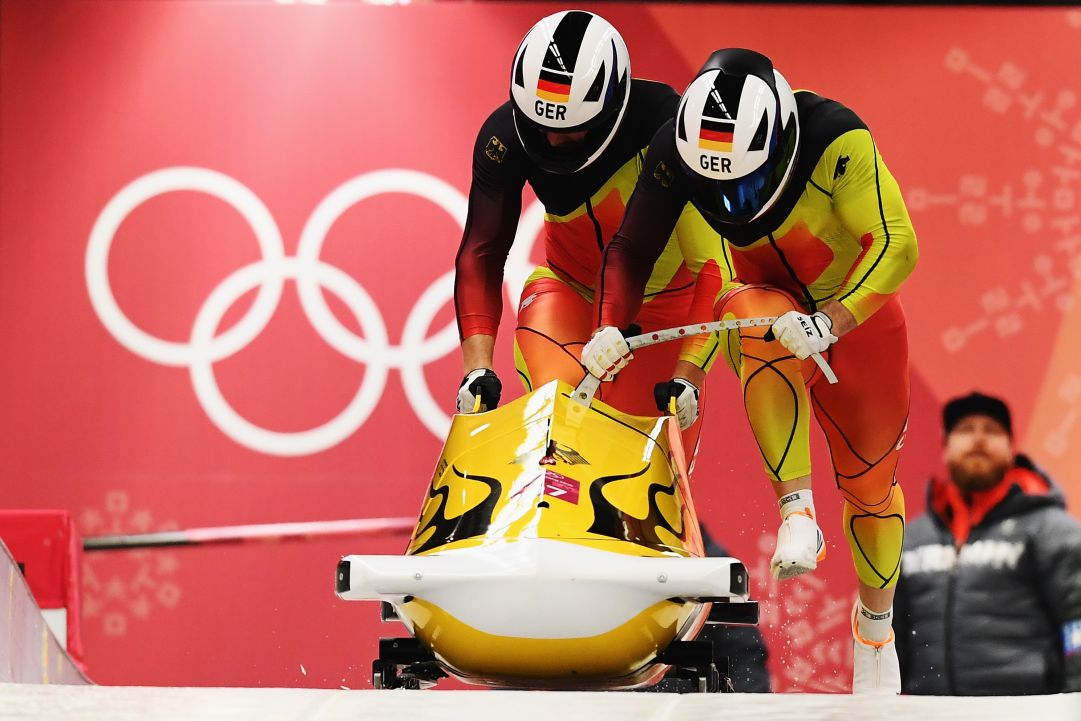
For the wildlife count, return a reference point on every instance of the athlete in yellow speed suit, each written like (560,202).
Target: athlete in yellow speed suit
(816,233)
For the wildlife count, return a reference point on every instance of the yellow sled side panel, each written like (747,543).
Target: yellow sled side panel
(544,466)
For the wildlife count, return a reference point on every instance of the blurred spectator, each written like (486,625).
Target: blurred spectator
(989,599)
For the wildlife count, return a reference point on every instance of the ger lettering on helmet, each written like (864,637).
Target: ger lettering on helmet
(737,133)
(571,74)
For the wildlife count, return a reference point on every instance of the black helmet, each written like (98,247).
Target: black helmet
(737,132)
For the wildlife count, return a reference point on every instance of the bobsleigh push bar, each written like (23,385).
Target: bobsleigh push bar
(588,387)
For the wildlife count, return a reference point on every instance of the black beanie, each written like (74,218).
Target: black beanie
(976,404)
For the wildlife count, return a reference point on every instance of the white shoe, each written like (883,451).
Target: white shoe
(800,546)
(875,668)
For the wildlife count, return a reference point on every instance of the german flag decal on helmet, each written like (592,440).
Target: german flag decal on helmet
(555,87)
(716,135)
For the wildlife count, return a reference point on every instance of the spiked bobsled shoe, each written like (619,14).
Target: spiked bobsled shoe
(800,546)
(875,668)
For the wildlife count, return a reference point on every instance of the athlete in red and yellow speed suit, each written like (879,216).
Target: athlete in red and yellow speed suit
(583,211)
(839,238)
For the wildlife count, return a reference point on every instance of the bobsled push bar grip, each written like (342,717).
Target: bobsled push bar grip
(818,359)
(823,366)
(661,336)
(588,387)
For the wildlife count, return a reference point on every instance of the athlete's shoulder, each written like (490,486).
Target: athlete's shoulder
(499,122)
(497,152)
(651,103)
(661,166)
(663,142)
(821,121)
(652,91)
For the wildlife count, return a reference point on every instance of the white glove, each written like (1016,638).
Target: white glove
(606,353)
(804,334)
(481,382)
(686,395)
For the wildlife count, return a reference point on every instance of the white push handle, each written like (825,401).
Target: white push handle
(588,387)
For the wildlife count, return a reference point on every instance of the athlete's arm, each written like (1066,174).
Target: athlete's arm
(699,244)
(495,204)
(703,254)
(478,351)
(651,214)
(840,316)
(868,202)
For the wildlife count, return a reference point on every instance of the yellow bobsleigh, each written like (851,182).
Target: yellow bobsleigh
(557,547)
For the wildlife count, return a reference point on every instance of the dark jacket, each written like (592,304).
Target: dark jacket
(989,598)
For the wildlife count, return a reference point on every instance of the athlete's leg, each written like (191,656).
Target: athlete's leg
(773,380)
(864,417)
(554,322)
(775,398)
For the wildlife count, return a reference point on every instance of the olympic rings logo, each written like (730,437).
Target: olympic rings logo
(374,350)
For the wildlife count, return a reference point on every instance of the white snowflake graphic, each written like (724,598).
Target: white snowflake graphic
(1043,202)
(122,585)
(1040,204)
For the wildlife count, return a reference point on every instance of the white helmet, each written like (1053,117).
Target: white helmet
(570,74)
(737,133)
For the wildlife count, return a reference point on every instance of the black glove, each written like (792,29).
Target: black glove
(686,395)
(481,382)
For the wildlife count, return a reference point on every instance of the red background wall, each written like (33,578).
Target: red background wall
(975,110)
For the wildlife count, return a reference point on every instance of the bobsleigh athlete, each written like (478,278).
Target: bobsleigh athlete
(815,233)
(576,128)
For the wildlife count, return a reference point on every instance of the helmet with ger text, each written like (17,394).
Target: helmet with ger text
(737,134)
(571,75)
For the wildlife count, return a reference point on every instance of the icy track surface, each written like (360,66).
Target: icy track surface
(116,703)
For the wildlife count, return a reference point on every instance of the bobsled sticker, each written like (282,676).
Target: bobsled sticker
(561,487)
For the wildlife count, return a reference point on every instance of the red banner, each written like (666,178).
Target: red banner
(227,234)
